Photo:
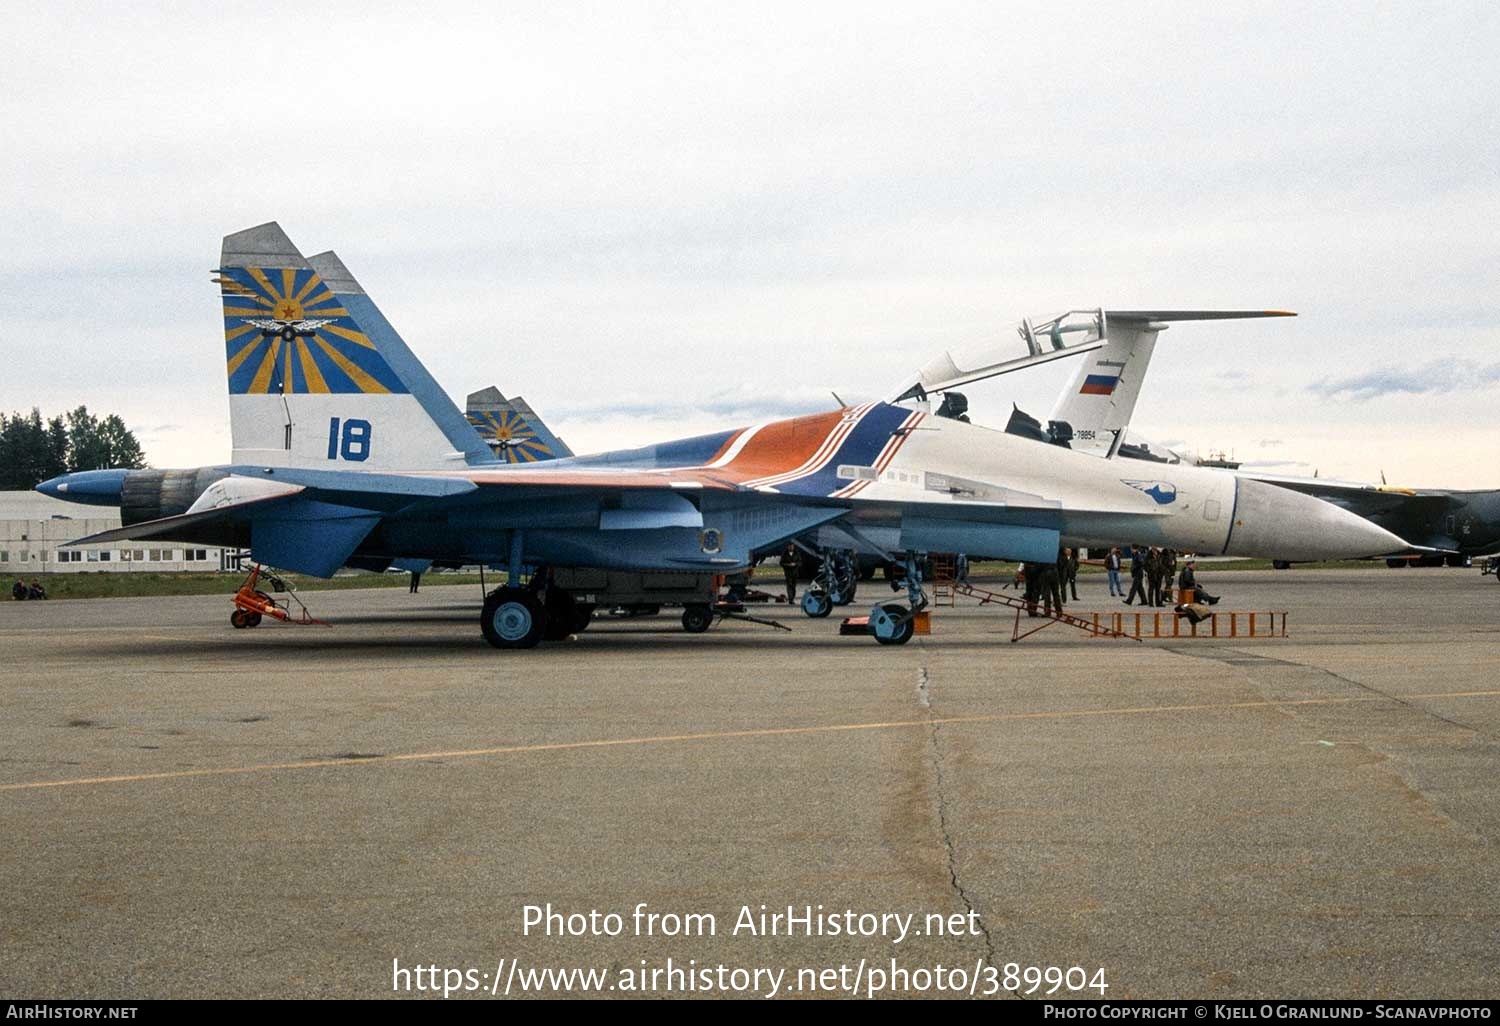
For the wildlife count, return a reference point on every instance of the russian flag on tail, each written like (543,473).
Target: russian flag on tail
(1099,384)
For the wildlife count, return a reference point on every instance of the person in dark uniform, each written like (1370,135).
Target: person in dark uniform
(416,579)
(1051,586)
(1137,575)
(791,562)
(1188,579)
(1031,577)
(1153,576)
(1168,574)
(1070,572)
(18,591)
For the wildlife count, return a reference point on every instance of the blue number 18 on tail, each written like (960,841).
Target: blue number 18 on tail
(352,443)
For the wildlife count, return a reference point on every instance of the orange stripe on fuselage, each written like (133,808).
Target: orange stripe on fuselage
(775,450)
(783,446)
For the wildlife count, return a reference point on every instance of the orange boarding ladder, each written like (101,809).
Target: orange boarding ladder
(944,573)
(1095,626)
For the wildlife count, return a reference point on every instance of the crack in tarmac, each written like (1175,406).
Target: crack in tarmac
(924,699)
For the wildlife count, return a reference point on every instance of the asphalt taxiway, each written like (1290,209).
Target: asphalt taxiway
(194,811)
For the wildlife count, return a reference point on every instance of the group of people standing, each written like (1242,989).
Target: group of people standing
(1050,583)
(1151,573)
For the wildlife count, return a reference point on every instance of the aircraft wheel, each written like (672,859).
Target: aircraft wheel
(892,624)
(1280,564)
(238,619)
(512,618)
(845,595)
(583,616)
(561,610)
(252,619)
(697,619)
(816,604)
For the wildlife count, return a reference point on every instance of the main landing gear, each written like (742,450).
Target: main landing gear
(513,618)
(835,584)
(523,616)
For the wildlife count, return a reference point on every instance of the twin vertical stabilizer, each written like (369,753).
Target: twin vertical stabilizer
(317,376)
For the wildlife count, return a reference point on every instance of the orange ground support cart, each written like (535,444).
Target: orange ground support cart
(251,605)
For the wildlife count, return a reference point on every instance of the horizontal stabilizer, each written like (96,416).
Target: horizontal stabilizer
(369,490)
(1193,315)
(227,498)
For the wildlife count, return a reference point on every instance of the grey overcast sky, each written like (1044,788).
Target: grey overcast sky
(656,219)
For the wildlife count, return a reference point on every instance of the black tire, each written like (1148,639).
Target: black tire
(512,618)
(252,619)
(561,609)
(696,619)
(846,595)
(905,632)
(583,616)
(1280,564)
(237,619)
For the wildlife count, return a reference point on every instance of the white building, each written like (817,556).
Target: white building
(34,527)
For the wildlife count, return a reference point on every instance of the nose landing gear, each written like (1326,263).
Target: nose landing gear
(891,623)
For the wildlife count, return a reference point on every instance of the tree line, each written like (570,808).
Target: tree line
(33,449)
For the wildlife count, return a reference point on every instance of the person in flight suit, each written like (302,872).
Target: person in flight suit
(791,562)
(1051,586)
(1153,577)
(1137,575)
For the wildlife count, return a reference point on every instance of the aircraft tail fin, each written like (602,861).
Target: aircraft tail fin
(512,429)
(1100,398)
(317,375)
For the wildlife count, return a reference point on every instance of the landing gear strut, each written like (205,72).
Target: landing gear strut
(892,623)
(834,585)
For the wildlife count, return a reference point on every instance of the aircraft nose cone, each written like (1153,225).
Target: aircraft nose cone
(93,487)
(56,488)
(1277,523)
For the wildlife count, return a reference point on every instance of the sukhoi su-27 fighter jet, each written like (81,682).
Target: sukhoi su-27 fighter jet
(346,450)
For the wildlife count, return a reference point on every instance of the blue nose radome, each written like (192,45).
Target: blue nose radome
(93,487)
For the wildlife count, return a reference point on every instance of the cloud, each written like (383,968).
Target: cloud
(740,404)
(1435,378)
